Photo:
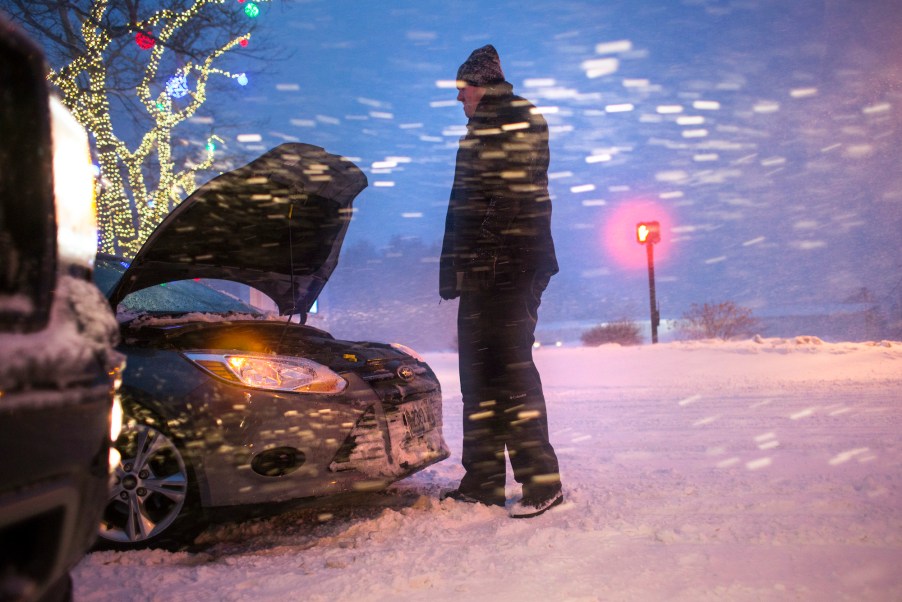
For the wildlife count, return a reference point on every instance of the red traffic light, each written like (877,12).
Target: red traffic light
(648,232)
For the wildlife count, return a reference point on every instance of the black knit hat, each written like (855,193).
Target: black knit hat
(482,68)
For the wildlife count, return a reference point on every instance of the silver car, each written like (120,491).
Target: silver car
(228,404)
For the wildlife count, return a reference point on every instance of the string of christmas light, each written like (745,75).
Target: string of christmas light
(128,210)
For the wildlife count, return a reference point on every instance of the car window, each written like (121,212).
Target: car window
(178,297)
(107,273)
(184,296)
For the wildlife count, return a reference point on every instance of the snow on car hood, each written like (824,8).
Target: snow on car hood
(276,224)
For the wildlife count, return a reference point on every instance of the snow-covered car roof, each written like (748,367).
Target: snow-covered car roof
(275,224)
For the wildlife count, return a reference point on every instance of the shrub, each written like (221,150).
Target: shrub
(623,332)
(717,321)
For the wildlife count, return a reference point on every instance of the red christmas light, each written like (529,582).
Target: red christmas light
(144,40)
(243,42)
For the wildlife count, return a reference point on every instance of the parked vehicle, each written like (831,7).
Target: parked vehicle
(58,366)
(230,405)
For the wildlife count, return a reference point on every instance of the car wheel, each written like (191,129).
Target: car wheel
(153,499)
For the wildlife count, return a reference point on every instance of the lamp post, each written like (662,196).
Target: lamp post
(649,233)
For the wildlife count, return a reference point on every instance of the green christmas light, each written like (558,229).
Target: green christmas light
(251,10)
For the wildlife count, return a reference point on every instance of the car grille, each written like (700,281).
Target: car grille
(382,369)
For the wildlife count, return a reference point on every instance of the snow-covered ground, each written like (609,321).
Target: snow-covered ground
(757,470)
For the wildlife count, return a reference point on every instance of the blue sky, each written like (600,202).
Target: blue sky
(763,134)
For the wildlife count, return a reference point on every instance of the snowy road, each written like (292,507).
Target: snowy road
(768,470)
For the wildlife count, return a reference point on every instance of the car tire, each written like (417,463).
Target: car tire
(153,499)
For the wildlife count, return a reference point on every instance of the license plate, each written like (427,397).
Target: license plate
(418,417)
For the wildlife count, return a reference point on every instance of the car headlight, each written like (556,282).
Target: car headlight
(271,372)
(405,349)
(73,187)
(116,418)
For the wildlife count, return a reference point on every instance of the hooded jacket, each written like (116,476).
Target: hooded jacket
(498,224)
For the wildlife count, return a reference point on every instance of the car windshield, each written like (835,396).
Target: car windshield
(178,297)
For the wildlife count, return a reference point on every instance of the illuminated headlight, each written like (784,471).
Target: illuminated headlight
(116,417)
(409,351)
(73,186)
(272,372)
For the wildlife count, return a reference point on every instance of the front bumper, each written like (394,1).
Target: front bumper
(53,483)
(273,447)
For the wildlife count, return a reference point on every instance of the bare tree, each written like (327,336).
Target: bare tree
(622,332)
(148,62)
(717,321)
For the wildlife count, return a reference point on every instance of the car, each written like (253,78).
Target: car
(58,365)
(230,402)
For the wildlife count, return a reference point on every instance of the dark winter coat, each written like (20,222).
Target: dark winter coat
(498,224)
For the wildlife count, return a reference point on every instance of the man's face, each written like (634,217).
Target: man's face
(470,97)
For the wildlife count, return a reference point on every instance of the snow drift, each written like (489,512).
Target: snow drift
(763,469)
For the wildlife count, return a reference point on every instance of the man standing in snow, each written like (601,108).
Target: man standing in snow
(498,256)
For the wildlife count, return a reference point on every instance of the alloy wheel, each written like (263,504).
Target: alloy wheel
(150,487)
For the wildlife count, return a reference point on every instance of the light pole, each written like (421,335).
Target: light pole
(649,233)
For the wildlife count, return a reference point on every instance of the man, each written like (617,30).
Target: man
(498,256)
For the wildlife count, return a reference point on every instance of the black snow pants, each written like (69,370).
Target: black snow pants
(504,406)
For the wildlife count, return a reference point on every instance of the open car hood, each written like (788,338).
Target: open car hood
(276,224)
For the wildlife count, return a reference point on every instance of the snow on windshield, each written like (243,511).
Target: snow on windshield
(185,296)
(202,298)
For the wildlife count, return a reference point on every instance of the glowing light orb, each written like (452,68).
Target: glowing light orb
(244,43)
(177,86)
(618,233)
(144,40)
(251,10)
(211,146)
(242,79)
